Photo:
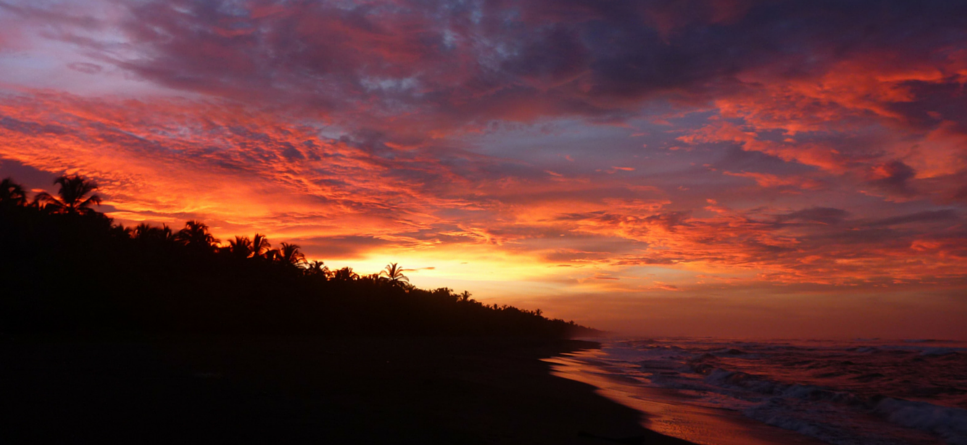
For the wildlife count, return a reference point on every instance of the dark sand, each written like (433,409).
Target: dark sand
(285,390)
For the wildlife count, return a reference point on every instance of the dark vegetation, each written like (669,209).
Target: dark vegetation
(66,268)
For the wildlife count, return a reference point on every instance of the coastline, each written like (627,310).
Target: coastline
(668,412)
(766,392)
(302,389)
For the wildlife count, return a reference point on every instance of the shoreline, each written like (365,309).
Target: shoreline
(302,389)
(669,412)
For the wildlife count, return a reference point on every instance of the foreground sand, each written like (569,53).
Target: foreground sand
(263,390)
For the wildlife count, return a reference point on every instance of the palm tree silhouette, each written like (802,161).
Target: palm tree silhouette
(163,235)
(123,232)
(142,231)
(166,236)
(195,236)
(394,273)
(290,254)
(345,274)
(72,193)
(241,247)
(260,246)
(317,269)
(12,193)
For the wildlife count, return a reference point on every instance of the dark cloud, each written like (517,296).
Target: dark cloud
(893,177)
(291,153)
(29,177)
(31,128)
(86,68)
(549,56)
(936,102)
(341,247)
(476,61)
(946,215)
(822,215)
(670,220)
(645,261)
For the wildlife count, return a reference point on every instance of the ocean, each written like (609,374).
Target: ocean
(724,392)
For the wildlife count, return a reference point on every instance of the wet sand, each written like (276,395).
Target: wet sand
(306,390)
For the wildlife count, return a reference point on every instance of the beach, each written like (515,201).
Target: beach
(787,391)
(302,390)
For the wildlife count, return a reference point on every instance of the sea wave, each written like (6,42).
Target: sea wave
(871,392)
(946,422)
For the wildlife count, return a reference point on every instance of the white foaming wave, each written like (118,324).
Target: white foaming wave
(738,380)
(728,375)
(778,415)
(942,351)
(825,414)
(946,422)
(724,378)
(920,348)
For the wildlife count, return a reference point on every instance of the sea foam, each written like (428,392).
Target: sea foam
(860,392)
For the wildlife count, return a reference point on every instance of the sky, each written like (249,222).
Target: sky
(707,168)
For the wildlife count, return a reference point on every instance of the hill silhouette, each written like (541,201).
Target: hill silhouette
(67,268)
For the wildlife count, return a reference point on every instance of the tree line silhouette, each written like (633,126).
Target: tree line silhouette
(64,267)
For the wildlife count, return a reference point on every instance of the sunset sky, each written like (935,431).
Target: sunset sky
(741,168)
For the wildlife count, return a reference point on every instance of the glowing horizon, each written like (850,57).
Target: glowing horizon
(705,168)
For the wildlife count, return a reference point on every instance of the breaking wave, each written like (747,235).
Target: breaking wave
(861,392)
